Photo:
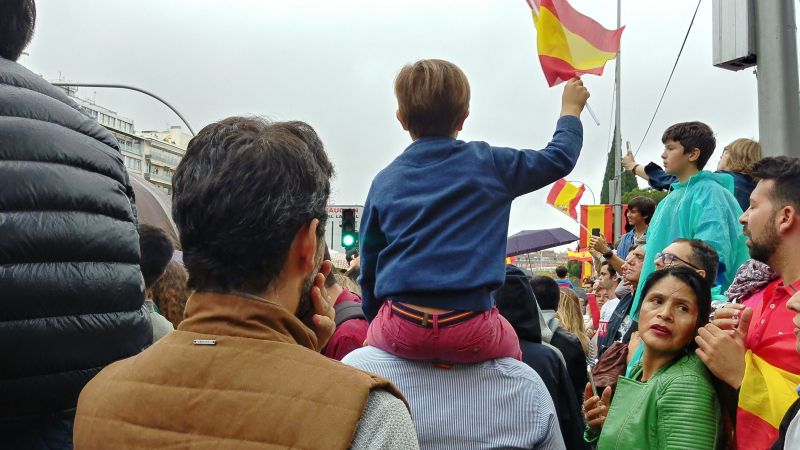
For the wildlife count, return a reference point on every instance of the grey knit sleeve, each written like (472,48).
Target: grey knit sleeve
(385,424)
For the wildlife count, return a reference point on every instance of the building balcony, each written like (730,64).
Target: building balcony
(163,179)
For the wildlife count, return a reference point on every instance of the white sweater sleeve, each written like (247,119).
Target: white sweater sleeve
(385,424)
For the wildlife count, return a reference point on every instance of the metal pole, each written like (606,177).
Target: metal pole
(133,88)
(778,103)
(617,200)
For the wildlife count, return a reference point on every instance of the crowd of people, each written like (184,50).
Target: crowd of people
(244,335)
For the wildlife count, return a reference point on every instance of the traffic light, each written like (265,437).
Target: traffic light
(349,233)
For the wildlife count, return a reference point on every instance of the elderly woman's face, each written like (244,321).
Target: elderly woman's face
(668,316)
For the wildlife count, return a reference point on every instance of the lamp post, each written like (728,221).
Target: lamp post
(132,88)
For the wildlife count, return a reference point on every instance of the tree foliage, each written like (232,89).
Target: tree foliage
(648,192)
(628,179)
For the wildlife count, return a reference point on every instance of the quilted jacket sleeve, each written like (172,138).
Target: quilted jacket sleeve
(688,413)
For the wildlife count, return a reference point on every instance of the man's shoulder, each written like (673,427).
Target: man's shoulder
(507,366)
(568,343)
(17,75)
(210,366)
(369,354)
(512,368)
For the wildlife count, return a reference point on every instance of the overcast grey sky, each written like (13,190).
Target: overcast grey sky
(331,63)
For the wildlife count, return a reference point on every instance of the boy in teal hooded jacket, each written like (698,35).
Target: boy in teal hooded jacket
(700,205)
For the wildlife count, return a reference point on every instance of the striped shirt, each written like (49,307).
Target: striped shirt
(496,404)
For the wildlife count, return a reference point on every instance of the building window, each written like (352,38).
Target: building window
(164,156)
(160,173)
(133,163)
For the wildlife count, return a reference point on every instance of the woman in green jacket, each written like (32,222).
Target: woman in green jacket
(669,401)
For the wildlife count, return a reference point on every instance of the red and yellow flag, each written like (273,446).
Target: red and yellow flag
(585,258)
(565,196)
(596,216)
(582,255)
(570,43)
(766,394)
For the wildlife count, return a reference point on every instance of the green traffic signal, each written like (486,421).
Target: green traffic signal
(348,240)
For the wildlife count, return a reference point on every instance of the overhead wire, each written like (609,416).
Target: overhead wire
(674,66)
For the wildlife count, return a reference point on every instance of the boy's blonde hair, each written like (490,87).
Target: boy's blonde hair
(569,315)
(742,154)
(432,97)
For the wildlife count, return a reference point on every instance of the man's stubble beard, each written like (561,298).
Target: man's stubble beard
(763,249)
(305,307)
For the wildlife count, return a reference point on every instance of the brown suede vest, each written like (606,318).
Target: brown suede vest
(262,384)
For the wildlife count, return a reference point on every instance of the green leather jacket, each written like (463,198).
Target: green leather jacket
(676,409)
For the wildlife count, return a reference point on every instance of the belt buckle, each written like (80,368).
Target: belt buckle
(426,320)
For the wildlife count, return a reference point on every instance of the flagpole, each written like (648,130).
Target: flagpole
(591,113)
(576,221)
(617,200)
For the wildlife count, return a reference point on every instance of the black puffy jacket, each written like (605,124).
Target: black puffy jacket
(71,291)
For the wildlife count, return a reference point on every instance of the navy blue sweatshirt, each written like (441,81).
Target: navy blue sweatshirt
(434,227)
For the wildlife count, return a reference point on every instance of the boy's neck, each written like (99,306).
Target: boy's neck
(640,228)
(414,138)
(686,174)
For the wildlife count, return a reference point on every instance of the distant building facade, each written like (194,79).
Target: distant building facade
(153,155)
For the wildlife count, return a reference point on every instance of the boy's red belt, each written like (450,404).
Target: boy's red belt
(426,319)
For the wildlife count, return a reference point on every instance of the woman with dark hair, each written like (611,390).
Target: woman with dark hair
(669,400)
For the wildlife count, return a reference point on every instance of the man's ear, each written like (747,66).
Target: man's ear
(787,218)
(304,247)
(401,120)
(702,274)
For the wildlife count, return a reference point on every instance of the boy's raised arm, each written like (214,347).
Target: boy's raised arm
(528,170)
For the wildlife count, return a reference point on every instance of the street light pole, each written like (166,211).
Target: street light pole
(617,200)
(778,102)
(132,88)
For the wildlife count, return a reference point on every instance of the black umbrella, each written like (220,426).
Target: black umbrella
(530,241)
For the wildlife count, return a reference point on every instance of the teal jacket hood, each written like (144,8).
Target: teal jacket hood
(723,179)
(704,208)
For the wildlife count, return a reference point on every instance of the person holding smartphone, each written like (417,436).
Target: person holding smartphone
(640,211)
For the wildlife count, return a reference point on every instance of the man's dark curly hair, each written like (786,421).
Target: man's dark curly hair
(784,171)
(241,193)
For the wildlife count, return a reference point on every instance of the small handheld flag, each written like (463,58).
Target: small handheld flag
(565,196)
(569,43)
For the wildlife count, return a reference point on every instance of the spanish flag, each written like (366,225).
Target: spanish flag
(565,196)
(585,259)
(569,43)
(582,255)
(772,371)
(596,216)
